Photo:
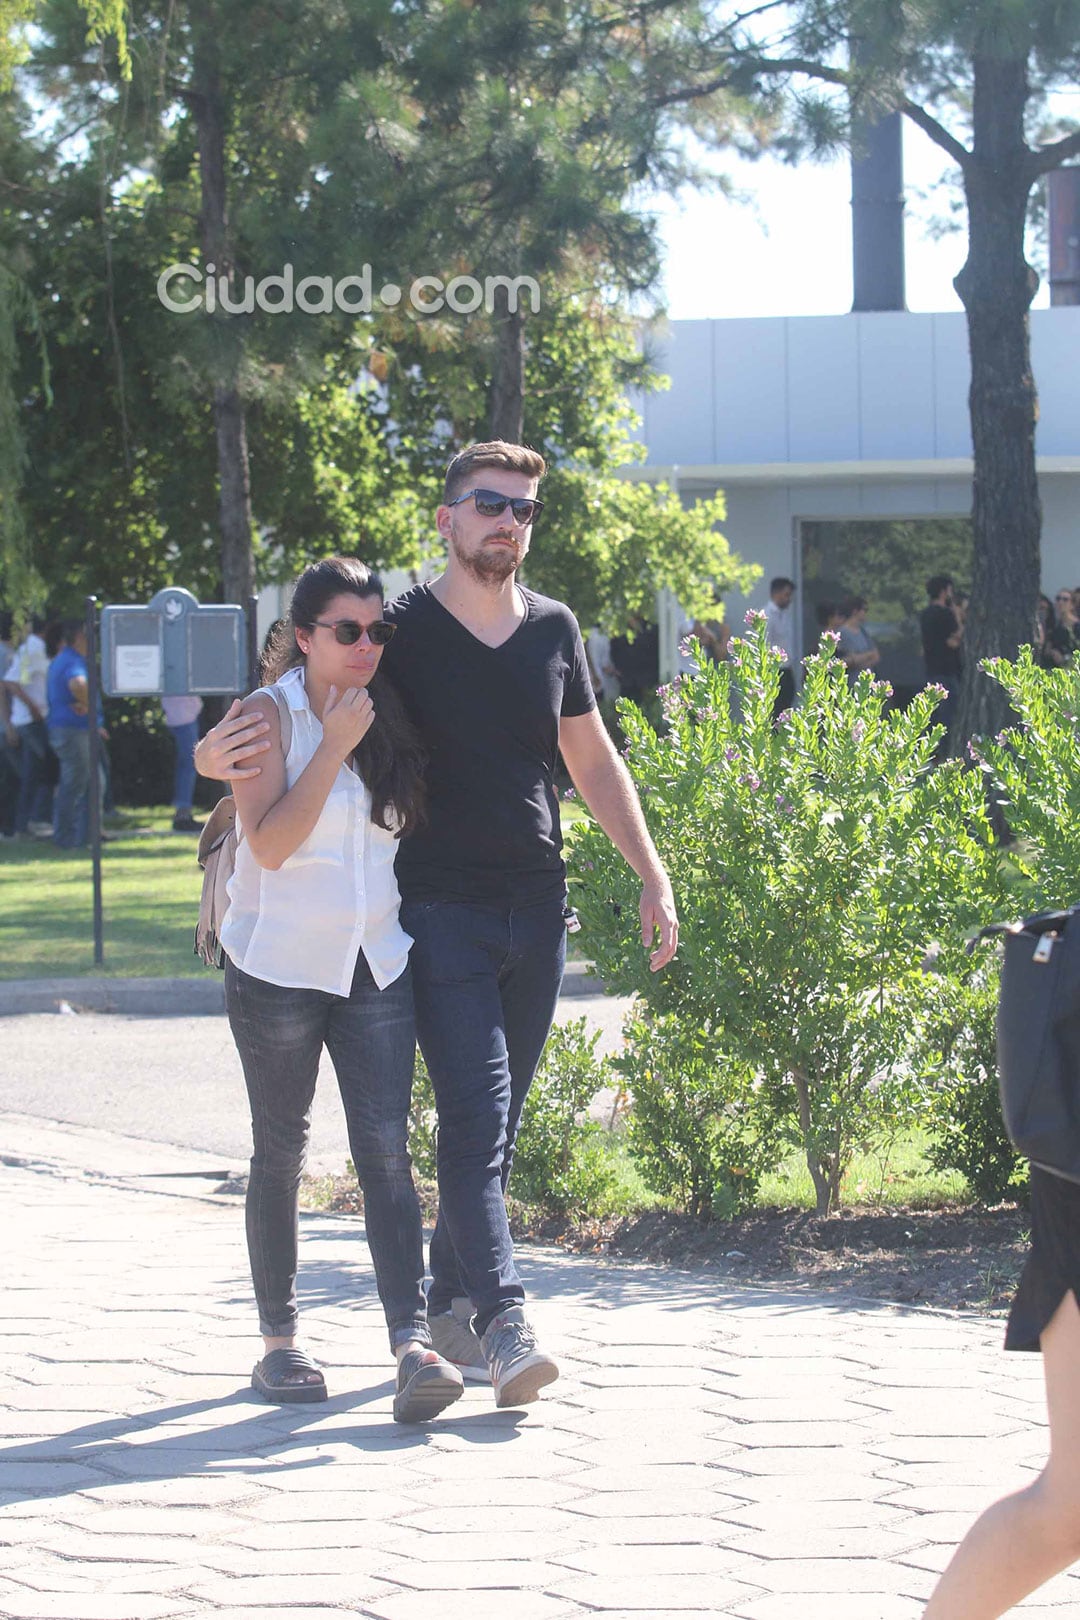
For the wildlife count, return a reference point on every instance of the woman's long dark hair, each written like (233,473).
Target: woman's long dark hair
(390,758)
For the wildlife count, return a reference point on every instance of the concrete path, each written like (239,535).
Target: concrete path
(167,1072)
(708,1450)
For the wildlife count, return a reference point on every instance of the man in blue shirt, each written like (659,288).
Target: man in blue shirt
(69,734)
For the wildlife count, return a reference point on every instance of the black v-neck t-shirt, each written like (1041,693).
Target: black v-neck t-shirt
(489,719)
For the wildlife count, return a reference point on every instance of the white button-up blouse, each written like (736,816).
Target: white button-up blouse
(336,895)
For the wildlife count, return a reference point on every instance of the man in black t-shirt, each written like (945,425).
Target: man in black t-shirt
(942,635)
(495,677)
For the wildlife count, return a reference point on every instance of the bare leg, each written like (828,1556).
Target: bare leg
(1026,1538)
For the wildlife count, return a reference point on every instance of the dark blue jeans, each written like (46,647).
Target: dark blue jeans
(184,739)
(35,795)
(71,745)
(371,1038)
(486,979)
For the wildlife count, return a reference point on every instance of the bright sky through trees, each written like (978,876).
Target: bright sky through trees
(784,248)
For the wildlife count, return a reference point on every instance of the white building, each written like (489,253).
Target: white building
(821,419)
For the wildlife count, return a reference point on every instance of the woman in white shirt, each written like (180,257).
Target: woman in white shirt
(316,956)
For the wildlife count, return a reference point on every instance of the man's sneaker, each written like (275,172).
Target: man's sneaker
(519,1368)
(452,1336)
(425,1385)
(186,823)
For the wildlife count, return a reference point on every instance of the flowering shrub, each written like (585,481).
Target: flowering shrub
(1035,768)
(813,860)
(562,1163)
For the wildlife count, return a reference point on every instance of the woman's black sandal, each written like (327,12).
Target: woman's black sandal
(272,1374)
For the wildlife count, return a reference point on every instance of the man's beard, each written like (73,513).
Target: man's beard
(489,565)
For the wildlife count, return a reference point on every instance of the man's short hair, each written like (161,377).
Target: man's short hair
(936,584)
(494,453)
(780,583)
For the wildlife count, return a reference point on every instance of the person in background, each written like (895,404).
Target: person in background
(1044,624)
(25,681)
(182,718)
(605,682)
(829,618)
(9,768)
(780,633)
(68,697)
(714,637)
(856,645)
(1064,639)
(635,658)
(942,639)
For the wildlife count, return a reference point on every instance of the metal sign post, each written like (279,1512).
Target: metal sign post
(172,647)
(94,786)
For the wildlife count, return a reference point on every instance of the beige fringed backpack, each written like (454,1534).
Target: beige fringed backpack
(217,857)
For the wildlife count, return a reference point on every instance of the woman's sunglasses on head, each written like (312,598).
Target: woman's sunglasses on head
(489,503)
(348,632)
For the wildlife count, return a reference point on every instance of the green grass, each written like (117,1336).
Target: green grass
(150,890)
(895,1174)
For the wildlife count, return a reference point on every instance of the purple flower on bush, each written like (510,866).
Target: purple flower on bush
(731,754)
(687,647)
(1002,739)
(779,654)
(936,686)
(569,794)
(973,754)
(753,617)
(751,781)
(858,731)
(831,635)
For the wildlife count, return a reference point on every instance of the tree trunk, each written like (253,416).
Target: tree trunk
(996,286)
(508,372)
(818,1173)
(234,499)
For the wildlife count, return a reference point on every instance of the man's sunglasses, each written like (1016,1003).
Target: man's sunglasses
(348,632)
(489,503)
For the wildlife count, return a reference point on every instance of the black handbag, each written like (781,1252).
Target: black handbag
(1038,1039)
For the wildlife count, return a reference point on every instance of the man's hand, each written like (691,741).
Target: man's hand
(225,753)
(658,915)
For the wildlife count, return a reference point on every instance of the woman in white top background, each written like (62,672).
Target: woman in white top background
(316,956)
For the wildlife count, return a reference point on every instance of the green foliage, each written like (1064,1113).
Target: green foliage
(958,1054)
(423,1123)
(563,1163)
(694,1127)
(606,544)
(813,862)
(1034,767)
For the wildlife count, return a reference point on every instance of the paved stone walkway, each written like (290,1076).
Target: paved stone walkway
(708,1451)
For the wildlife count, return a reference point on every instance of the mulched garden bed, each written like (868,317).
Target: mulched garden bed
(956,1258)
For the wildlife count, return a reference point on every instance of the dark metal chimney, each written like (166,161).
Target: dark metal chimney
(877,213)
(1063,208)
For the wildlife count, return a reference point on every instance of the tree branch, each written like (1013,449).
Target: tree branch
(937,132)
(1057,153)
